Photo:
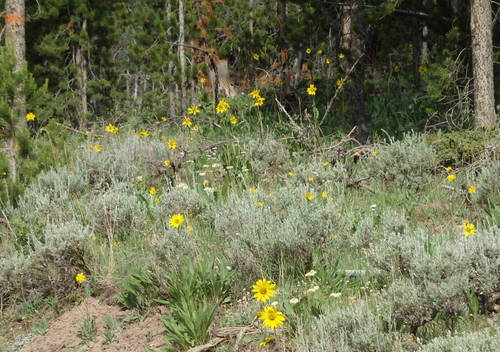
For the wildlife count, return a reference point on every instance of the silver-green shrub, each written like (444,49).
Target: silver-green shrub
(353,328)
(488,185)
(49,268)
(286,228)
(408,162)
(443,270)
(118,208)
(266,154)
(483,341)
(182,200)
(123,159)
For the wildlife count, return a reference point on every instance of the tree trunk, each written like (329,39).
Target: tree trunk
(81,79)
(15,40)
(182,58)
(353,42)
(482,63)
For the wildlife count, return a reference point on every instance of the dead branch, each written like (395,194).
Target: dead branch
(337,91)
(211,344)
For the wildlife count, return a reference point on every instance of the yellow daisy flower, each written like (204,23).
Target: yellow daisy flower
(172,144)
(144,133)
(193,110)
(222,106)
(311,90)
(176,220)
(271,317)
(30,116)
(263,290)
(80,278)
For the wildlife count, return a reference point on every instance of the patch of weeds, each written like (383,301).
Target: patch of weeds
(193,295)
(111,328)
(41,327)
(87,330)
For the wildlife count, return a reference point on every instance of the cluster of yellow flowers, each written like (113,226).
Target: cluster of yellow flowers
(222,106)
(469,229)
(270,316)
(259,100)
(111,128)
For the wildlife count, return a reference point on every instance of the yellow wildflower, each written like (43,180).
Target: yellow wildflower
(167,163)
(448,168)
(30,116)
(97,148)
(172,144)
(156,200)
(341,56)
(319,52)
(80,278)
(259,101)
(310,179)
(324,195)
(255,93)
(451,178)
(144,133)
(308,51)
(471,189)
(422,69)
(256,56)
(309,196)
(152,191)
(176,220)
(374,153)
(193,110)
(325,163)
(233,120)
(202,80)
(328,61)
(271,317)
(260,204)
(111,128)
(186,121)
(396,68)
(266,341)
(311,90)
(163,118)
(222,106)
(264,290)
(469,229)
(340,82)
(291,173)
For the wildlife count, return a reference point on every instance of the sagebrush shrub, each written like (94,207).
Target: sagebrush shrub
(264,230)
(483,341)
(488,186)
(443,272)
(352,328)
(408,162)
(49,268)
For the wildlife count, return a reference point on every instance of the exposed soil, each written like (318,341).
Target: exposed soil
(63,334)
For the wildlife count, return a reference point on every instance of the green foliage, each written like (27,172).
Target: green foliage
(488,187)
(193,295)
(460,148)
(111,328)
(139,291)
(87,329)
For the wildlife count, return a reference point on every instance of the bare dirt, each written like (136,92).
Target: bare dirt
(63,334)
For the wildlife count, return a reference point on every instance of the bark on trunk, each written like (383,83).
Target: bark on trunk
(81,79)
(482,64)
(353,41)
(15,40)
(182,58)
